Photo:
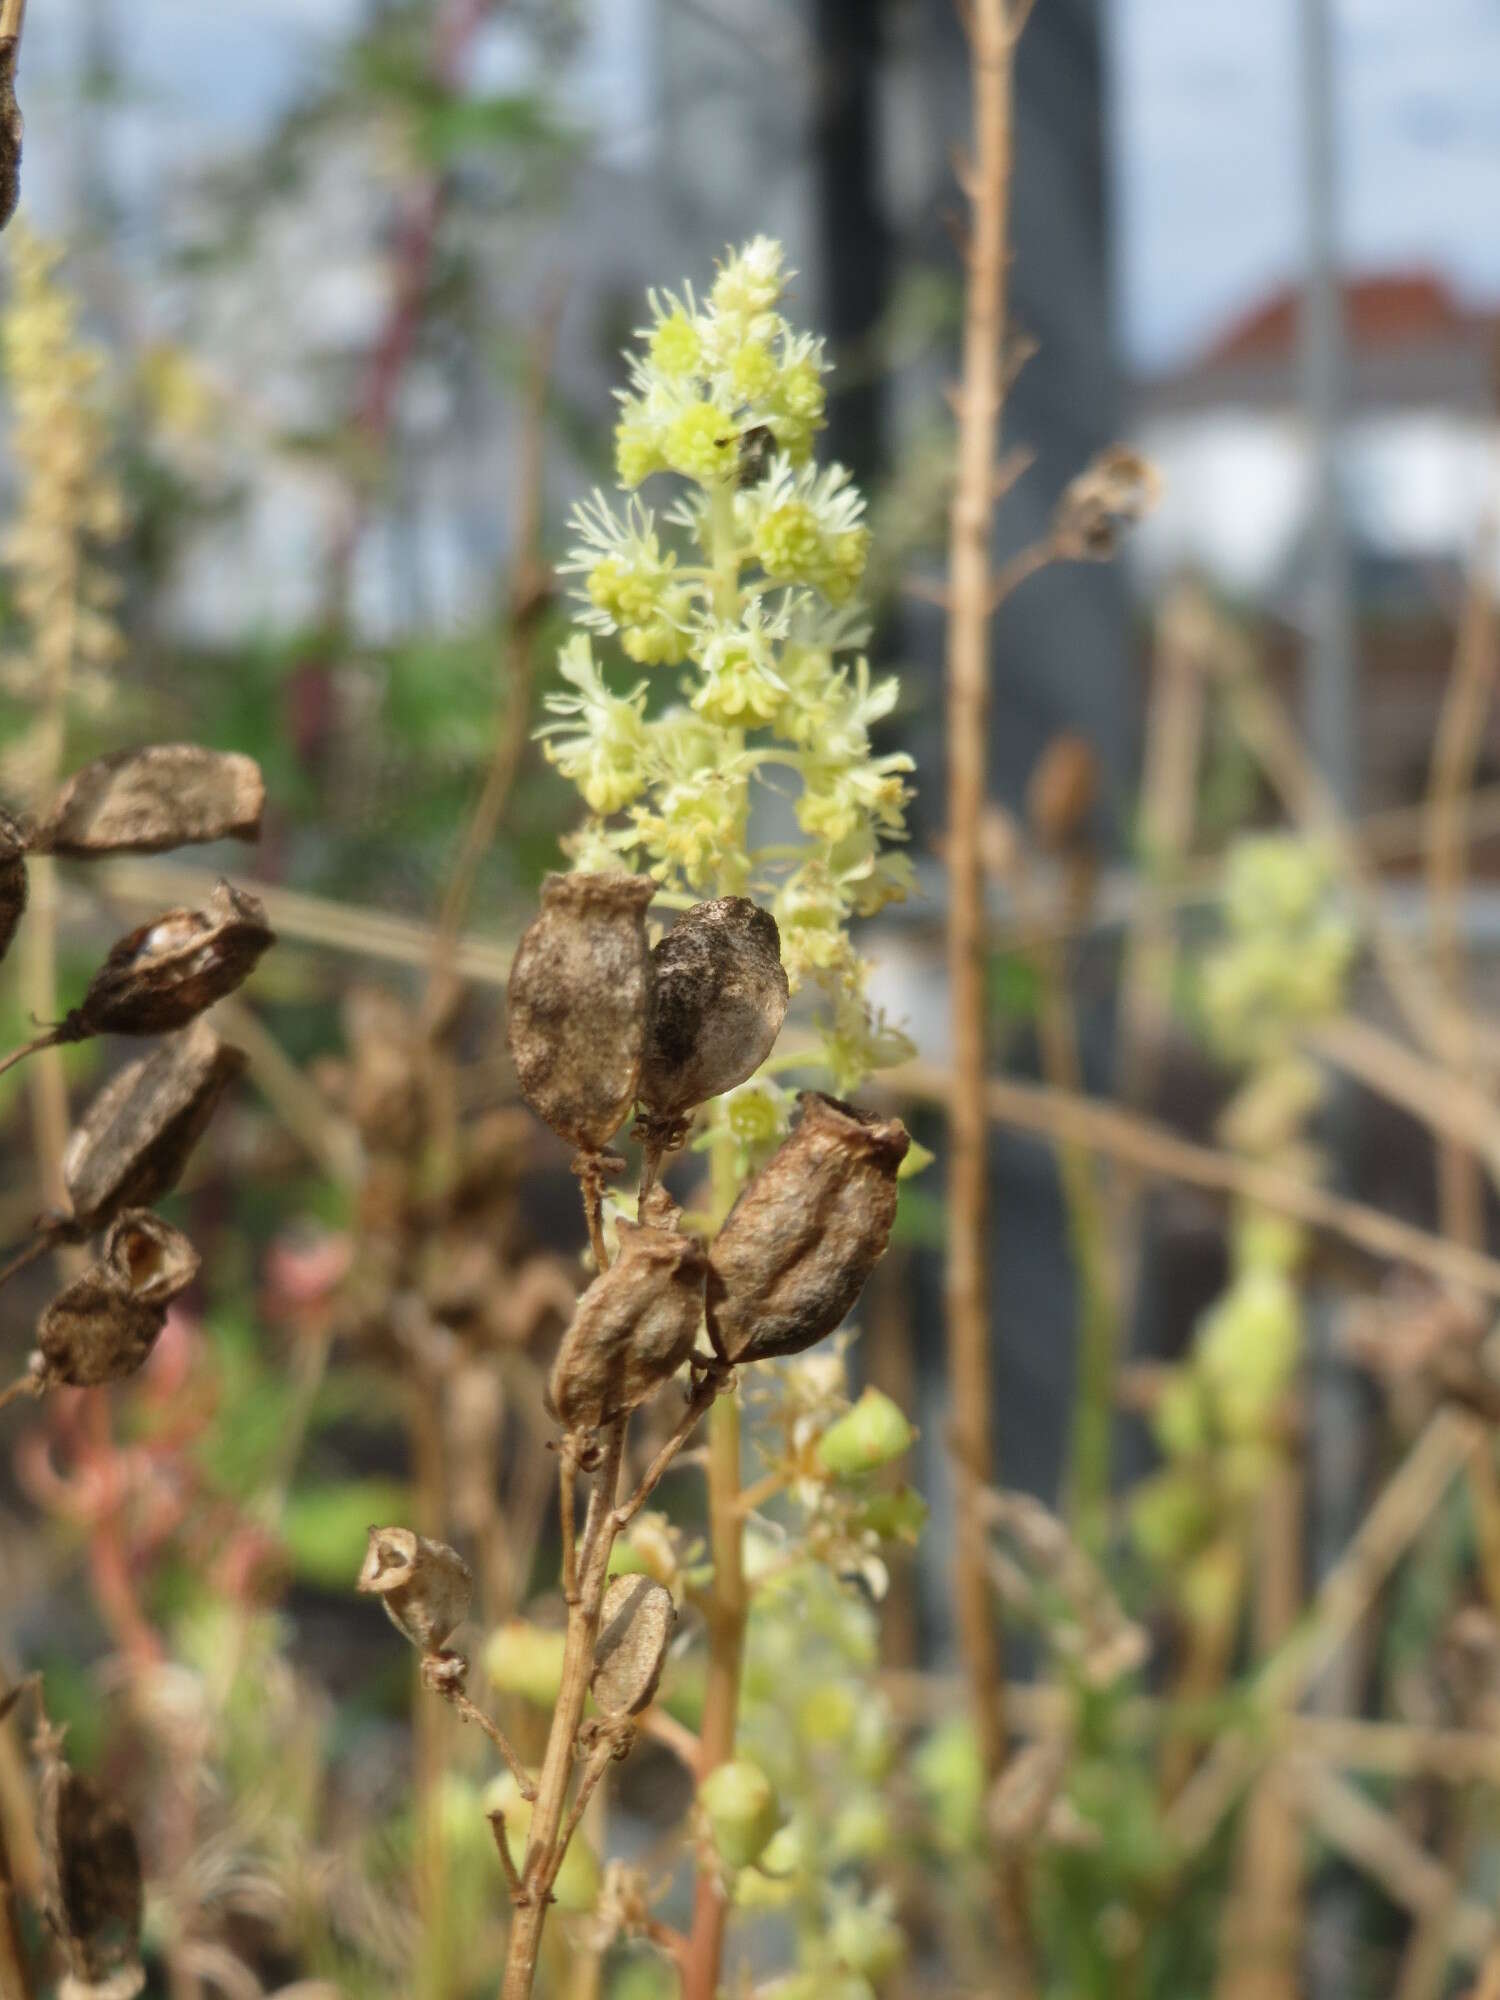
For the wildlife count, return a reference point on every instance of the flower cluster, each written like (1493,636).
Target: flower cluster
(1220,1419)
(743,584)
(71,507)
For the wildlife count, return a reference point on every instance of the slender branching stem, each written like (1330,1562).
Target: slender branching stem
(460,1703)
(31,1048)
(992,29)
(698,1402)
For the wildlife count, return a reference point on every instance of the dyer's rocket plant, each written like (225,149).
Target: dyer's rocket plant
(732,596)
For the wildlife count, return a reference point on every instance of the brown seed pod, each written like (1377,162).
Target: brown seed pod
(635,1628)
(93,1873)
(144,801)
(135,1138)
(633,1328)
(1117,489)
(425,1586)
(718,1001)
(797,1246)
(578,1003)
(13,883)
(166,973)
(103,1325)
(1062,791)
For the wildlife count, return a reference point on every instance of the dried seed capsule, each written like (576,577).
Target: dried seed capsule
(93,1869)
(578,1003)
(103,1325)
(635,1629)
(13,884)
(424,1585)
(799,1243)
(718,1001)
(166,973)
(135,1138)
(143,801)
(633,1328)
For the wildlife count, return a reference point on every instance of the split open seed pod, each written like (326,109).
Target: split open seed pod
(135,1138)
(103,1325)
(719,999)
(424,1585)
(13,883)
(144,801)
(632,1330)
(169,971)
(805,1234)
(578,1003)
(636,1621)
(93,1876)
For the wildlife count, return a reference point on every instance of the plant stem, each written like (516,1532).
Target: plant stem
(544,1850)
(980,394)
(727,1614)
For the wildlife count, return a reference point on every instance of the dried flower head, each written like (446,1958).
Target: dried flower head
(578,1004)
(103,1325)
(13,882)
(1118,489)
(718,1001)
(166,973)
(805,1234)
(1062,791)
(636,1621)
(93,1871)
(383,1091)
(424,1585)
(135,1138)
(144,801)
(634,1328)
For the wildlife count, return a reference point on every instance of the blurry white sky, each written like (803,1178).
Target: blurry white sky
(1205,134)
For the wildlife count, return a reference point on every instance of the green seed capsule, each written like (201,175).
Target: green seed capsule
(740,1805)
(874,1433)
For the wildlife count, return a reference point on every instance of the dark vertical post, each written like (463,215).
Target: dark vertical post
(853,242)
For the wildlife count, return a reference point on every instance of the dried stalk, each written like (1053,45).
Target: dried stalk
(1162,1155)
(992,27)
(1455,755)
(545,1844)
(1343,1598)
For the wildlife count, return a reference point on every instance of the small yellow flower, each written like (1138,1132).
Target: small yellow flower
(752,371)
(701,443)
(676,345)
(788,542)
(638,451)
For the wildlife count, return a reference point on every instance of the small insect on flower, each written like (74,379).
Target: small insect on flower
(13,882)
(145,801)
(94,1893)
(798,1245)
(634,1328)
(578,1003)
(424,1585)
(719,999)
(135,1138)
(169,971)
(103,1325)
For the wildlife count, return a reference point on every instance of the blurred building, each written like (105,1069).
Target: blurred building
(1420,476)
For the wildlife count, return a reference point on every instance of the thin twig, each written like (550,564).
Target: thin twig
(698,1403)
(970,595)
(502,1845)
(460,1703)
(1460,735)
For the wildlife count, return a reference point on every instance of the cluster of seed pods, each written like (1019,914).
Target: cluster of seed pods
(134,1140)
(601,1022)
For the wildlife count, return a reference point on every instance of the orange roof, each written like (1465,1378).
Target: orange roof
(1382,310)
